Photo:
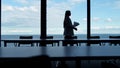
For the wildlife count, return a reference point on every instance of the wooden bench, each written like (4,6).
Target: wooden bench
(117,37)
(27,38)
(38,43)
(114,37)
(96,37)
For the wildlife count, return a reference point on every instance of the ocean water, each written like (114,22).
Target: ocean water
(58,36)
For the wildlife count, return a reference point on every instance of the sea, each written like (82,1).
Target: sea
(57,36)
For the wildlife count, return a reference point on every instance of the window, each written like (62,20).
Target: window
(56,11)
(105,17)
(20,17)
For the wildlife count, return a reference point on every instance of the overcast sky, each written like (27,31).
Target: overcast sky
(23,16)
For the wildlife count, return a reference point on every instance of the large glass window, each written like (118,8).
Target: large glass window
(56,11)
(105,16)
(23,16)
(20,17)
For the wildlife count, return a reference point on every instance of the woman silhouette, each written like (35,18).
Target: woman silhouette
(68,27)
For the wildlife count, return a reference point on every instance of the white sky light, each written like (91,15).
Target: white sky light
(23,16)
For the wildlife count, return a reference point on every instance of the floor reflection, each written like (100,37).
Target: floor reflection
(88,50)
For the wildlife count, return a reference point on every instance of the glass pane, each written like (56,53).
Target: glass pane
(20,17)
(105,16)
(56,12)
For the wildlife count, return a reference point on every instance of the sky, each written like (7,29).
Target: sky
(23,16)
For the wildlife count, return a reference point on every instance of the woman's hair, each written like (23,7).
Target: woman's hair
(67,13)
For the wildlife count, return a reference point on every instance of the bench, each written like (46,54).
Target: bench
(117,37)
(114,37)
(38,43)
(96,37)
(23,38)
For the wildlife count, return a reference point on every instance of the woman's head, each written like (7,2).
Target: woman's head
(67,13)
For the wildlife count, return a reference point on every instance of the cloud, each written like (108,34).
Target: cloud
(106,29)
(7,8)
(84,19)
(10,8)
(18,31)
(95,28)
(95,19)
(109,19)
(21,8)
(112,27)
(20,16)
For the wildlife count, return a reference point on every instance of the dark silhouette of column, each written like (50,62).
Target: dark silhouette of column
(88,20)
(43,19)
(0,24)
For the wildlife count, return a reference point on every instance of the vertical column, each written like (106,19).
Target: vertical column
(88,20)
(0,23)
(43,19)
